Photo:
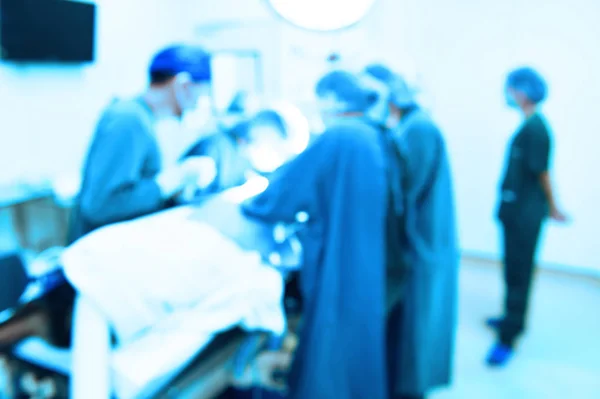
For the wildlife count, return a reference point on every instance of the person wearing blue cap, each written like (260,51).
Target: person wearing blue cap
(124,177)
(422,326)
(339,182)
(341,96)
(526,199)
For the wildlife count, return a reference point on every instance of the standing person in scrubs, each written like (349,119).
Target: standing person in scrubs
(123,176)
(422,326)
(339,182)
(527,198)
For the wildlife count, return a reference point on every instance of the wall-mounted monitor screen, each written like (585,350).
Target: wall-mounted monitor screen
(47,31)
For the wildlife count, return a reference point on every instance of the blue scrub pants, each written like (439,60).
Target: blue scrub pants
(520,246)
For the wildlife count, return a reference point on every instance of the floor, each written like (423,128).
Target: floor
(558,358)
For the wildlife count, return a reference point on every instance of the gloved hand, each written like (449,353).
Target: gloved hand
(268,370)
(197,172)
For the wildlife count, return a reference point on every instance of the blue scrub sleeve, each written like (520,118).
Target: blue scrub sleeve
(538,151)
(114,188)
(292,188)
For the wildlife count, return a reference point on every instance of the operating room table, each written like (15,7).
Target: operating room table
(208,375)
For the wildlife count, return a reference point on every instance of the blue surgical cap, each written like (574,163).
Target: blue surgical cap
(380,72)
(181,58)
(401,95)
(527,81)
(348,90)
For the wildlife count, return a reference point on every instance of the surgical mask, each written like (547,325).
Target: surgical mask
(379,113)
(510,100)
(331,109)
(188,94)
(380,110)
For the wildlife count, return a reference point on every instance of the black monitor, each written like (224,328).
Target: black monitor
(60,31)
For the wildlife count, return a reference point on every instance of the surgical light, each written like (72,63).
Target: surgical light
(322,15)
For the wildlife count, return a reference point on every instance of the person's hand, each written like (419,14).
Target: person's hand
(262,371)
(290,343)
(268,364)
(170,181)
(557,215)
(194,172)
(199,171)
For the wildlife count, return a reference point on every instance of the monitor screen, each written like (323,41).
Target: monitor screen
(47,30)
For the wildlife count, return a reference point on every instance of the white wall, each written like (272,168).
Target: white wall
(463,50)
(49,112)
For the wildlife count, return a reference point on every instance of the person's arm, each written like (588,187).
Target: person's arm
(208,147)
(538,162)
(114,189)
(293,186)
(548,190)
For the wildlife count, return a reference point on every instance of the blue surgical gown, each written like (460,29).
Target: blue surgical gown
(340,182)
(422,339)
